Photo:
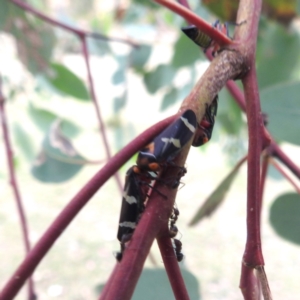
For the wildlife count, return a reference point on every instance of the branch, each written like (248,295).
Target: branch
(75,205)
(97,108)
(253,255)
(124,278)
(14,185)
(79,32)
(277,152)
(285,174)
(220,38)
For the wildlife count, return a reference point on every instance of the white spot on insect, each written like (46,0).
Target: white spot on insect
(129,199)
(175,142)
(188,124)
(128,224)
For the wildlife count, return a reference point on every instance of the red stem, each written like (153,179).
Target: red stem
(75,205)
(253,255)
(172,268)
(263,177)
(220,38)
(123,280)
(285,174)
(155,218)
(14,185)
(277,152)
(97,108)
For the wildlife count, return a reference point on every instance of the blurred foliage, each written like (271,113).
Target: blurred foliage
(285,217)
(158,278)
(41,49)
(215,199)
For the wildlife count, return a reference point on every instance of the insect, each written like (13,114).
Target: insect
(173,230)
(167,144)
(200,38)
(178,248)
(206,126)
(160,152)
(133,200)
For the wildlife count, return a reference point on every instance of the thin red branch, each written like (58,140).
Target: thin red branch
(237,94)
(14,185)
(220,38)
(75,205)
(172,268)
(277,152)
(123,280)
(285,174)
(79,32)
(263,177)
(253,254)
(82,35)
(97,108)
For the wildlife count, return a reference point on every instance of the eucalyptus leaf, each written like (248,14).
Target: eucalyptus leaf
(66,82)
(217,196)
(160,77)
(281,104)
(185,52)
(285,217)
(58,160)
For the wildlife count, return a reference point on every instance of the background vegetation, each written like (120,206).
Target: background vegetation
(45,84)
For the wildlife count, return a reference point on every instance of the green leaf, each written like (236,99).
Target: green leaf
(169,99)
(119,75)
(186,52)
(217,196)
(58,160)
(229,114)
(281,104)
(34,38)
(285,217)
(161,76)
(276,64)
(147,3)
(43,119)
(154,284)
(23,139)
(139,56)
(158,278)
(67,82)
(119,102)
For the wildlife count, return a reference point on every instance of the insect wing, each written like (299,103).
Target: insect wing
(174,137)
(197,36)
(132,205)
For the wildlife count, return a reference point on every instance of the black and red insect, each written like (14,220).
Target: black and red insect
(163,149)
(133,205)
(205,127)
(203,40)
(151,160)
